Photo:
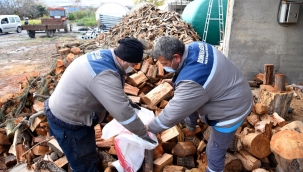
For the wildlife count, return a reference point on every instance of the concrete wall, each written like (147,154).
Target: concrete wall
(254,38)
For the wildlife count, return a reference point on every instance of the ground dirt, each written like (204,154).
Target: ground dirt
(20,56)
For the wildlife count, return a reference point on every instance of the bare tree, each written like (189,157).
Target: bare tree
(19,7)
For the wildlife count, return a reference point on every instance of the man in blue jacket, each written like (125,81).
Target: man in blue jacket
(207,85)
(90,86)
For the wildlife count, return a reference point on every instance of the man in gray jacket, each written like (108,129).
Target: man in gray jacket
(207,85)
(90,86)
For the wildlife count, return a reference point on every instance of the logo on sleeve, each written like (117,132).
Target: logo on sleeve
(203,53)
(96,55)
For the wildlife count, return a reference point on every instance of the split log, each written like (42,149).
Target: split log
(257,145)
(128,89)
(280,82)
(135,99)
(249,162)
(4,139)
(260,108)
(161,162)
(206,133)
(160,73)
(262,127)
(187,162)
(294,126)
(145,67)
(169,134)
(287,147)
(194,139)
(137,78)
(40,150)
(152,72)
(268,74)
(253,118)
(202,162)
(277,120)
(168,146)
(61,162)
(173,168)
(232,163)
(157,94)
(201,146)
(163,103)
(183,149)
(259,78)
(48,165)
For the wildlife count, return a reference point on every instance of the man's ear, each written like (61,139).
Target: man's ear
(178,58)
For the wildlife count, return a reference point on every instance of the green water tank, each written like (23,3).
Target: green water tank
(195,14)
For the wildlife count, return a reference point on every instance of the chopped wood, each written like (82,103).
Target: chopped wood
(257,145)
(137,78)
(128,89)
(163,103)
(135,99)
(160,70)
(168,146)
(253,118)
(173,168)
(280,82)
(75,50)
(4,139)
(277,120)
(260,108)
(10,160)
(294,126)
(158,151)
(248,161)
(35,124)
(161,162)
(40,150)
(169,134)
(61,162)
(157,94)
(183,149)
(232,163)
(145,67)
(201,146)
(187,161)
(206,133)
(268,74)
(287,147)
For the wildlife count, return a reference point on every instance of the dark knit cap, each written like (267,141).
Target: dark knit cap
(129,50)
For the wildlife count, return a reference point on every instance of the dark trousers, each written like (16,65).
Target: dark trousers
(78,145)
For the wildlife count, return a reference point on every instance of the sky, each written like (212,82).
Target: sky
(56,3)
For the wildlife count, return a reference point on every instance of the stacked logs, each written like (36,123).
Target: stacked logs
(147,24)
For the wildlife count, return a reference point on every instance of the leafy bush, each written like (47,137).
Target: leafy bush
(71,16)
(87,21)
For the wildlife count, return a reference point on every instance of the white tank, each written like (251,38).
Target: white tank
(110,13)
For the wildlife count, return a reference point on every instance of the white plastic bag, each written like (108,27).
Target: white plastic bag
(129,147)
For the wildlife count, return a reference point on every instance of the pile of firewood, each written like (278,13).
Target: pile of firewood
(147,24)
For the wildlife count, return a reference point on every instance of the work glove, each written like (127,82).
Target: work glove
(147,138)
(134,105)
(191,121)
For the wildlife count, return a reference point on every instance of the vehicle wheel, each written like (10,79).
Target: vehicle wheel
(31,33)
(19,30)
(50,33)
(66,26)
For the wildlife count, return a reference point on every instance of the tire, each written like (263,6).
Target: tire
(66,26)
(50,33)
(31,33)
(19,30)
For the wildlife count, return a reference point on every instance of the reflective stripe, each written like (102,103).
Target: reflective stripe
(230,129)
(213,70)
(223,123)
(129,120)
(210,170)
(159,123)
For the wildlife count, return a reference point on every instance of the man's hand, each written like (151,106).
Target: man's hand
(147,138)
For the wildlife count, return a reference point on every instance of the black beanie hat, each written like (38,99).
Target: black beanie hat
(129,50)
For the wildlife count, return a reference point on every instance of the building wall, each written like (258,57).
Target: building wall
(254,38)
